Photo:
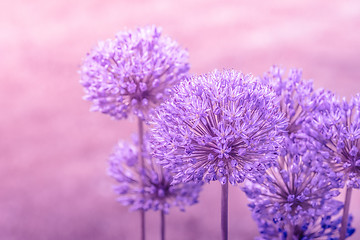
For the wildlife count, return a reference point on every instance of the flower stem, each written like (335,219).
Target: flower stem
(162,225)
(141,141)
(142,219)
(291,232)
(141,160)
(224,210)
(345,216)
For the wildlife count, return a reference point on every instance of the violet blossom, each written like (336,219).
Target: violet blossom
(218,126)
(338,127)
(295,95)
(149,187)
(133,72)
(295,191)
(300,103)
(324,227)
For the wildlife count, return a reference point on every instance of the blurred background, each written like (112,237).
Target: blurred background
(53,151)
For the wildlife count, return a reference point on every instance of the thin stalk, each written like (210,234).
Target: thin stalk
(141,160)
(162,225)
(291,232)
(224,210)
(142,219)
(345,216)
(141,141)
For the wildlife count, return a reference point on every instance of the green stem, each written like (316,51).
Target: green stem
(345,216)
(224,210)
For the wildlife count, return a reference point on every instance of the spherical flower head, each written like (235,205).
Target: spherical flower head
(219,126)
(133,72)
(338,127)
(325,227)
(296,96)
(149,187)
(300,103)
(293,191)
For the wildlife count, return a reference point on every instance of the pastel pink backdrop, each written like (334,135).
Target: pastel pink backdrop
(53,151)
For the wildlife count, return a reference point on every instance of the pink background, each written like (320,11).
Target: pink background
(53,151)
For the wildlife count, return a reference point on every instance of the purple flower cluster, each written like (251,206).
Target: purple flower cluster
(295,199)
(149,187)
(324,227)
(299,102)
(294,191)
(297,98)
(133,72)
(221,126)
(338,128)
(294,146)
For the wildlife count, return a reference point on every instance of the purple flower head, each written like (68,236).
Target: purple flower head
(300,103)
(149,187)
(338,127)
(133,72)
(219,126)
(325,227)
(294,190)
(296,96)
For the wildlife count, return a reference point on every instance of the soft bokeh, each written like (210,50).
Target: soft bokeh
(53,151)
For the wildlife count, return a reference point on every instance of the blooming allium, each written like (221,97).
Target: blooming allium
(133,72)
(299,102)
(293,191)
(296,96)
(219,126)
(325,227)
(338,127)
(149,187)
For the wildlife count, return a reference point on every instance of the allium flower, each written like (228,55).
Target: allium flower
(219,126)
(149,187)
(293,191)
(338,128)
(324,227)
(300,103)
(133,72)
(296,96)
